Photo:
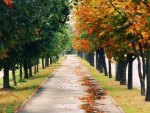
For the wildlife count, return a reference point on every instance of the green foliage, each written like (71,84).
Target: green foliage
(33,29)
(136,1)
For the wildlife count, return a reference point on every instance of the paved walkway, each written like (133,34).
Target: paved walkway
(63,91)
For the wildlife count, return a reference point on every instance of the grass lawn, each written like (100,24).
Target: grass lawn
(129,100)
(13,98)
(17,72)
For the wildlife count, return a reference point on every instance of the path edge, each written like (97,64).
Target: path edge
(35,91)
(116,104)
(109,96)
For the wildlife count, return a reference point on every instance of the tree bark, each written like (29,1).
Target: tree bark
(130,71)
(57,57)
(43,67)
(51,61)
(78,53)
(81,54)
(37,65)
(123,67)
(25,70)
(92,58)
(101,59)
(118,76)
(116,65)
(20,71)
(147,98)
(6,84)
(30,68)
(14,76)
(104,64)
(110,72)
(97,59)
(143,60)
(142,80)
(121,71)
(45,61)
(86,57)
(35,69)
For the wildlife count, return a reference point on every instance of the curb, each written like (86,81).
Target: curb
(35,91)
(116,104)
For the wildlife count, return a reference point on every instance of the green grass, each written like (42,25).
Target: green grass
(12,99)
(10,78)
(17,72)
(129,100)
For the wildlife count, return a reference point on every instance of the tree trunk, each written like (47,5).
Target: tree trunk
(92,58)
(43,67)
(57,57)
(116,67)
(78,53)
(45,61)
(101,59)
(35,69)
(20,71)
(118,76)
(121,71)
(110,72)
(118,71)
(142,80)
(123,67)
(86,57)
(147,98)
(97,59)
(143,60)
(14,76)
(63,54)
(37,65)
(25,70)
(30,68)
(105,67)
(6,84)
(130,71)
(81,54)
(51,61)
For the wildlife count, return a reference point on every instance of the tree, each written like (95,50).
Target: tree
(122,30)
(27,30)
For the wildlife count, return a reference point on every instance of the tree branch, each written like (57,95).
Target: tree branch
(145,3)
(118,11)
(116,8)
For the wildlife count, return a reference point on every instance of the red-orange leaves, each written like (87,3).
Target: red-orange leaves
(8,3)
(81,44)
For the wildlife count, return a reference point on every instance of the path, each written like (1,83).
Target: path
(136,81)
(63,91)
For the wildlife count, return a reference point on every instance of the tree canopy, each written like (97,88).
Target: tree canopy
(32,29)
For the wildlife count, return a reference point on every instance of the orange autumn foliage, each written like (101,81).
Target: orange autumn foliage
(8,3)
(81,44)
(101,19)
(138,15)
